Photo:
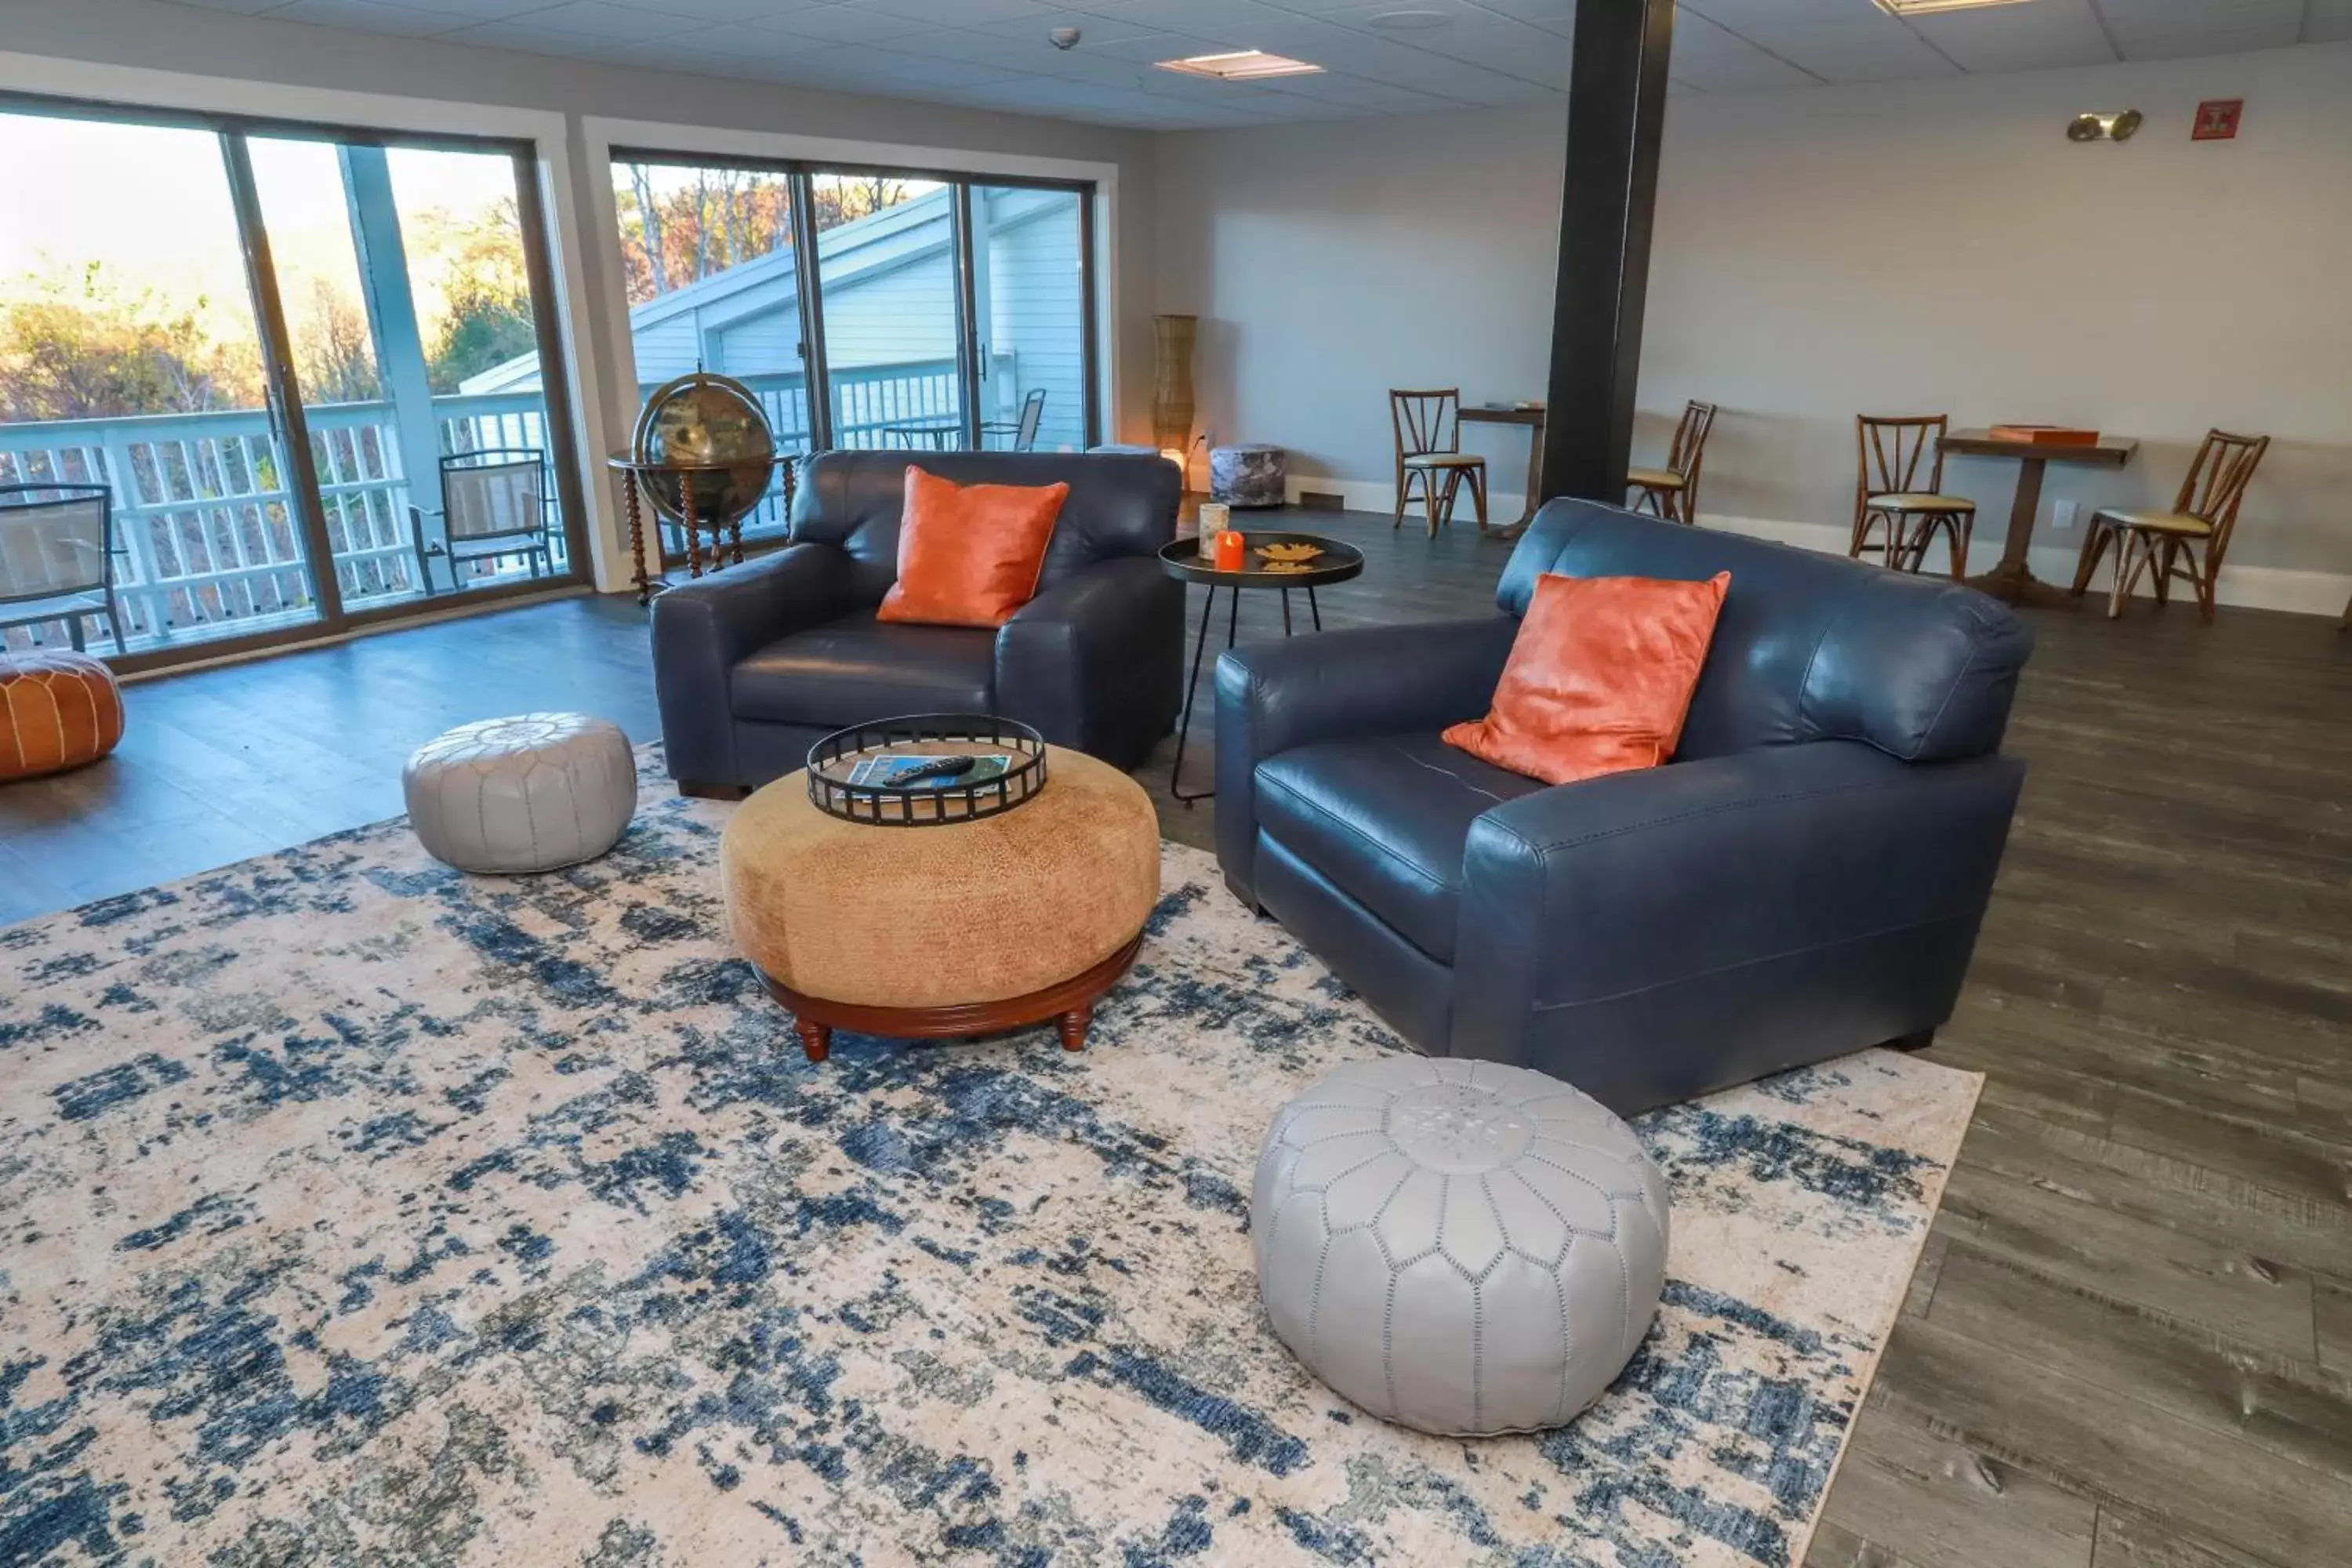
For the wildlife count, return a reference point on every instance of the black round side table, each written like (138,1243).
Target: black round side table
(1182,559)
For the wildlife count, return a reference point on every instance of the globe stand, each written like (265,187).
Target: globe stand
(638,479)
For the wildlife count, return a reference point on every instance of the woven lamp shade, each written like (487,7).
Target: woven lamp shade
(57,710)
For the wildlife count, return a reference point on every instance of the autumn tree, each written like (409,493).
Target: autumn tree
(81,348)
(678,232)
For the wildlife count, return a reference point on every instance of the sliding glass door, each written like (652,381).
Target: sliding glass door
(891,310)
(303,370)
(1030,310)
(713,278)
(890,299)
(134,382)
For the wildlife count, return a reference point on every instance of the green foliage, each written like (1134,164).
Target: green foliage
(487,319)
(81,348)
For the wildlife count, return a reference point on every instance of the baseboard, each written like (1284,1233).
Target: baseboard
(2254,587)
(1370,495)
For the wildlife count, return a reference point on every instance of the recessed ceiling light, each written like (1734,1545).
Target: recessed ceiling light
(1242,65)
(1408,21)
(1920,7)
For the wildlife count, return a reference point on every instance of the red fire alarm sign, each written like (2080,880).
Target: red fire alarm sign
(2217,119)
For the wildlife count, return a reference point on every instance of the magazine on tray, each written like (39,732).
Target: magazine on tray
(890,772)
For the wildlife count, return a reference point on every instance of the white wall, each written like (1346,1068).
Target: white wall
(1908,247)
(208,43)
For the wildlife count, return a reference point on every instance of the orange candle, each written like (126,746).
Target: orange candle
(1229,551)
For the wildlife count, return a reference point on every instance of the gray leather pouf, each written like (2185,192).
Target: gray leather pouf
(1462,1247)
(527,794)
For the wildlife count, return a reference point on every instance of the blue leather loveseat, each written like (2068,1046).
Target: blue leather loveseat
(1804,880)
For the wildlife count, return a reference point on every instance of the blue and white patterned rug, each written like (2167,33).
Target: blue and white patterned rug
(354,1211)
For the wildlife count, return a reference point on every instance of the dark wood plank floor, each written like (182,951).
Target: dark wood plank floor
(2130,1342)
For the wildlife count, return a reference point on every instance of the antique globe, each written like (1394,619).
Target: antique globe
(697,420)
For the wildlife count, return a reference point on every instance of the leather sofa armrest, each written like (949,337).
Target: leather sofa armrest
(1375,681)
(702,629)
(1579,900)
(1095,661)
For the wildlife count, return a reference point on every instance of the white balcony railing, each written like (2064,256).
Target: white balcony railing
(206,542)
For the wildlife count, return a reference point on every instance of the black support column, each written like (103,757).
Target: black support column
(1616,116)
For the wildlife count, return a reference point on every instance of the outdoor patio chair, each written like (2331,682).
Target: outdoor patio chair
(494,501)
(1024,430)
(56,556)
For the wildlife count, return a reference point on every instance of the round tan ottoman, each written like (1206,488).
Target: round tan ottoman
(961,929)
(57,710)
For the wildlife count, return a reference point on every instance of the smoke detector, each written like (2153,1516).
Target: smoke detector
(1062,38)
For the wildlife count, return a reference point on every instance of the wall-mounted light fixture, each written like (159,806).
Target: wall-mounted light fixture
(2103,127)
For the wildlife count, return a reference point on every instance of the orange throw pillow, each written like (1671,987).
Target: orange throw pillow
(1600,677)
(969,555)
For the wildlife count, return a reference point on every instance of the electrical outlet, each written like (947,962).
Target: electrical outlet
(2062,516)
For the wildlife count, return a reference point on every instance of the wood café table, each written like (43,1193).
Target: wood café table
(2012,579)
(1532,417)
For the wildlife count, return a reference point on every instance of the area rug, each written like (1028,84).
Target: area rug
(356,1211)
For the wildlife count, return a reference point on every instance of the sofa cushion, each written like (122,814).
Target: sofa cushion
(1598,678)
(969,555)
(855,669)
(1384,820)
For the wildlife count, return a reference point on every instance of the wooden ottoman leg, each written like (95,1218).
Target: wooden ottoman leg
(816,1038)
(1074,1025)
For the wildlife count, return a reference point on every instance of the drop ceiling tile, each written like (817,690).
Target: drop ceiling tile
(2210,16)
(2191,45)
(705,10)
(1715,60)
(1148,48)
(1470,33)
(1378,58)
(1093,29)
(1551,15)
(240,7)
(460,13)
(1233,20)
(597,19)
(982,48)
(1747,15)
(1357,92)
(957,13)
(368,16)
(1845,53)
(841,25)
(2018,38)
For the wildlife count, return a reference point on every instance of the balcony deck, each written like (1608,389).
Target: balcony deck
(206,541)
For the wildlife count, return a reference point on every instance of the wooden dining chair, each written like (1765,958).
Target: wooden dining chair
(1889,494)
(2187,541)
(1672,492)
(1428,428)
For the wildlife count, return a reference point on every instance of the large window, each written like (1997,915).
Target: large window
(299,371)
(869,308)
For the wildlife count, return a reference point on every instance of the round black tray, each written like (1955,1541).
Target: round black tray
(831,760)
(1337,564)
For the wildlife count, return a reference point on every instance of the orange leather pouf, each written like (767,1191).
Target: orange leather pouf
(57,710)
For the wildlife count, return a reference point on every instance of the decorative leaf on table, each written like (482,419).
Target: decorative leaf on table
(1290,550)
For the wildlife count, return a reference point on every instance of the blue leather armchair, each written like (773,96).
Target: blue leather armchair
(1804,880)
(754,665)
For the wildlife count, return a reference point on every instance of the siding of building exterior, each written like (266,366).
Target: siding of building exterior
(889,299)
